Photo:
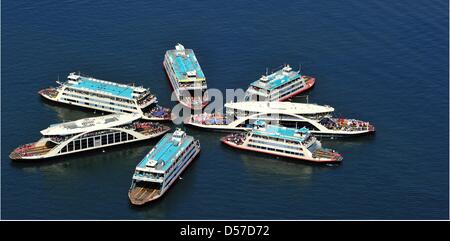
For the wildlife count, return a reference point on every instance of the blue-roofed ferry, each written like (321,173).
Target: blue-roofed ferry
(88,92)
(186,77)
(282,141)
(162,166)
(281,85)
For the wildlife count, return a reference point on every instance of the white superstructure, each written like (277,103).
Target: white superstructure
(317,118)
(88,92)
(88,134)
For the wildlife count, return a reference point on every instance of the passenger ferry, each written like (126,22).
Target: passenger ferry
(317,118)
(281,141)
(279,86)
(88,92)
(162,166)
(186,77)
(88,134)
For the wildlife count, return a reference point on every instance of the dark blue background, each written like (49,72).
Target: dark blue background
(381,61)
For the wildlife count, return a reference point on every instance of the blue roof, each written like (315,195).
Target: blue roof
(283,132)
(183,64)
(165,151)
(103,86)
(276,79)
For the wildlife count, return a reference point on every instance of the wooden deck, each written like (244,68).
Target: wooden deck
(32,151)
(323,154)
(141,195)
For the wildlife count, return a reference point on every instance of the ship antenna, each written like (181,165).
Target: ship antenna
(267,71)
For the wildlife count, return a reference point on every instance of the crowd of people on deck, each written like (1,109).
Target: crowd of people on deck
(52,93)
(23,150)
(146,100)
(148,127)
(158,111)
(210,119)
(346,124)
(236,138)
(58,139)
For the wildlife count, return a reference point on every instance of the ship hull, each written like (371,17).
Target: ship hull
(223,140)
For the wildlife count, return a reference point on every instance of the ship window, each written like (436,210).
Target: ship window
(70,146)
(117,137)
(97,141)
(91,142)
(124,136)
(77,145)
(64,149)
(104,140)
(110,138)
(130,137)
(83,144)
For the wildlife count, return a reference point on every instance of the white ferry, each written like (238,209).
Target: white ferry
(317,118)
(186,77)
(88,134)
(162,166)
(281,85)
(282,141)
(88,92)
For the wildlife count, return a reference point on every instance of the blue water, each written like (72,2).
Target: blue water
(381,61)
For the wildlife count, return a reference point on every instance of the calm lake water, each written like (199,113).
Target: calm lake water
(381,61)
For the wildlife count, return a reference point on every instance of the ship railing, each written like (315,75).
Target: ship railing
(146,99)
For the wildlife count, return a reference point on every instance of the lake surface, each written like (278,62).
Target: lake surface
(381,61)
